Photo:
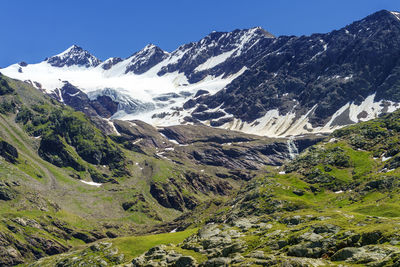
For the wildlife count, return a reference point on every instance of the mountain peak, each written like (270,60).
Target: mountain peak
(381,21)
(146,58)
(74,46)
(146,51)
(149,48)
(383,15)
(259,30)
(74,55)
(254,31)
(396,14)
(72,49)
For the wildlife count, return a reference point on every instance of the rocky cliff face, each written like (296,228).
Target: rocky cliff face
(103,105)
(312,77)
(218,158)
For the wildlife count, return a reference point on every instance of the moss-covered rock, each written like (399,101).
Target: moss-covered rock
(8,152)
(5,88)
(7,192)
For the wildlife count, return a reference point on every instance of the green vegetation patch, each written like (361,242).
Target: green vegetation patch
(134,246)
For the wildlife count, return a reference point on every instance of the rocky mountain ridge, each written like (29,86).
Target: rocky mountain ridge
(74,55)
(244,80)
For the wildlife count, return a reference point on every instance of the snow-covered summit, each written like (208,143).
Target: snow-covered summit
(396,14)
(74,55)
(149,82)
(143,60)
(246,80)
(216,43)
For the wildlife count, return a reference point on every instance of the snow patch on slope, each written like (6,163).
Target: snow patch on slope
(367,110)
(396,14)
(91,80)
(172,114)
(91,183)
(214,61)
(274,124)
(65,53)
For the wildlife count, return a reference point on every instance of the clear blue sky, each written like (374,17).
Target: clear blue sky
(34,29)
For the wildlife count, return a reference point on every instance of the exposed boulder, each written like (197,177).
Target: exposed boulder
(8,152)
(185,261)
(363,255)
(7,192)
(10,256)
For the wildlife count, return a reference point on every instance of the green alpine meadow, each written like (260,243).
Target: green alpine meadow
(242,148)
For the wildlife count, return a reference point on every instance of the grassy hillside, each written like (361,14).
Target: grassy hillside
(48,151)
(45,208)
(115,251)
(337,204)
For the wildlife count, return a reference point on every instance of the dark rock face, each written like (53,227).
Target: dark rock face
(302,75)
(75,55)
(103,125)
(8,152)
(233,158)
(50,247)
(135,130)
(102,106)
(84,237)
(7,192)
(53,150)
(201,92)
(233,150)
(9,256)
(167,197)
(145,59)
(111,62)
(212,45)
(170,193)
(203,116)
(321,69)
(188,134)
(31,245)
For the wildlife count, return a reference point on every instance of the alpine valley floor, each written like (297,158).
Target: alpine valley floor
(336,204)
(178,196)
(153,160)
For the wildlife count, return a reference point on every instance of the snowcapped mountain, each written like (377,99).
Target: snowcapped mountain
(246,80)
(74,55)
(150,81)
